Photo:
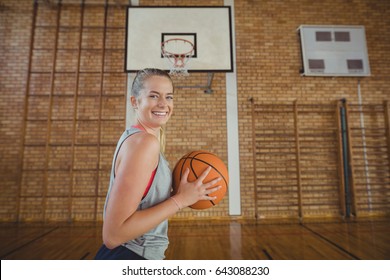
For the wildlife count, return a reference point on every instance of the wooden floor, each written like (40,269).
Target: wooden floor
(220,240)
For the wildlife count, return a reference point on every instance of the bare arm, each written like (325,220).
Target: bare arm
(137,159)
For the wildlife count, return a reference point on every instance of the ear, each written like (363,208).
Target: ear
(133,101)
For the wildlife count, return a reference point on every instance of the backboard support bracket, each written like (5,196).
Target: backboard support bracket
(207,88)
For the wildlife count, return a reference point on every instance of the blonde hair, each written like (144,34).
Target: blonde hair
(162,140)
(142,76)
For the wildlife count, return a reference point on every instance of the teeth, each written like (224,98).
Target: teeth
(160,113)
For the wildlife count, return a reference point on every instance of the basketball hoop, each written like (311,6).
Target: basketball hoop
(177,52)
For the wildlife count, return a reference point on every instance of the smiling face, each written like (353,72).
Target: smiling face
(154,105)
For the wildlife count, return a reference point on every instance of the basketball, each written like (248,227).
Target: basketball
(197,162)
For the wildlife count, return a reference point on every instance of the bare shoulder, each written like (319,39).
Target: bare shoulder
(141,146)
(143,141)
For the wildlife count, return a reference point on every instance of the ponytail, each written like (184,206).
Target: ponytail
(162,140)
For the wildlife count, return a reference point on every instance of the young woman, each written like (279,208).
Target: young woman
(139,200)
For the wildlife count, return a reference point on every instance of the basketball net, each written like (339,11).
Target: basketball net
(177,52)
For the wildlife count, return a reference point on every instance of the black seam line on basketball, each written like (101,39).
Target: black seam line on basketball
(185,157)
(193,171)
(182,166)
(211,166)
(196,176)
(192,158)
(330,242)
(28,243)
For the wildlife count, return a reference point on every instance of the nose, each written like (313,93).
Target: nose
(162,102)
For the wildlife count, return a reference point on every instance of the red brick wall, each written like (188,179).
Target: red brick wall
(58,135)
(15,30)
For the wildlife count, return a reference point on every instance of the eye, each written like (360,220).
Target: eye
(170,97)
(154,96)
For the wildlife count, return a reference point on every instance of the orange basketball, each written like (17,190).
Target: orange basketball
(197,162)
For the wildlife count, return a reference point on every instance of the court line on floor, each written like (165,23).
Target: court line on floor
(27,243)
(85,256)
(267,254)
(330,242)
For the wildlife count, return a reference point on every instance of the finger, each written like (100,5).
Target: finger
(212,182)
(184,179)
(212,190)
(204,174)
(209,197)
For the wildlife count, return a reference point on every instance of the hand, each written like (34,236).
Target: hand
(189,193)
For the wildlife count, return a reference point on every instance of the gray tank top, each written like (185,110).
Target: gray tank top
(152,244)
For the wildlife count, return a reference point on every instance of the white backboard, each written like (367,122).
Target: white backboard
(208,28)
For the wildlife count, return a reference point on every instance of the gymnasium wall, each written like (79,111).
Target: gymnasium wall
(62,105)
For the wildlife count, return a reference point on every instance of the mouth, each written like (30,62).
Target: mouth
(160,114)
